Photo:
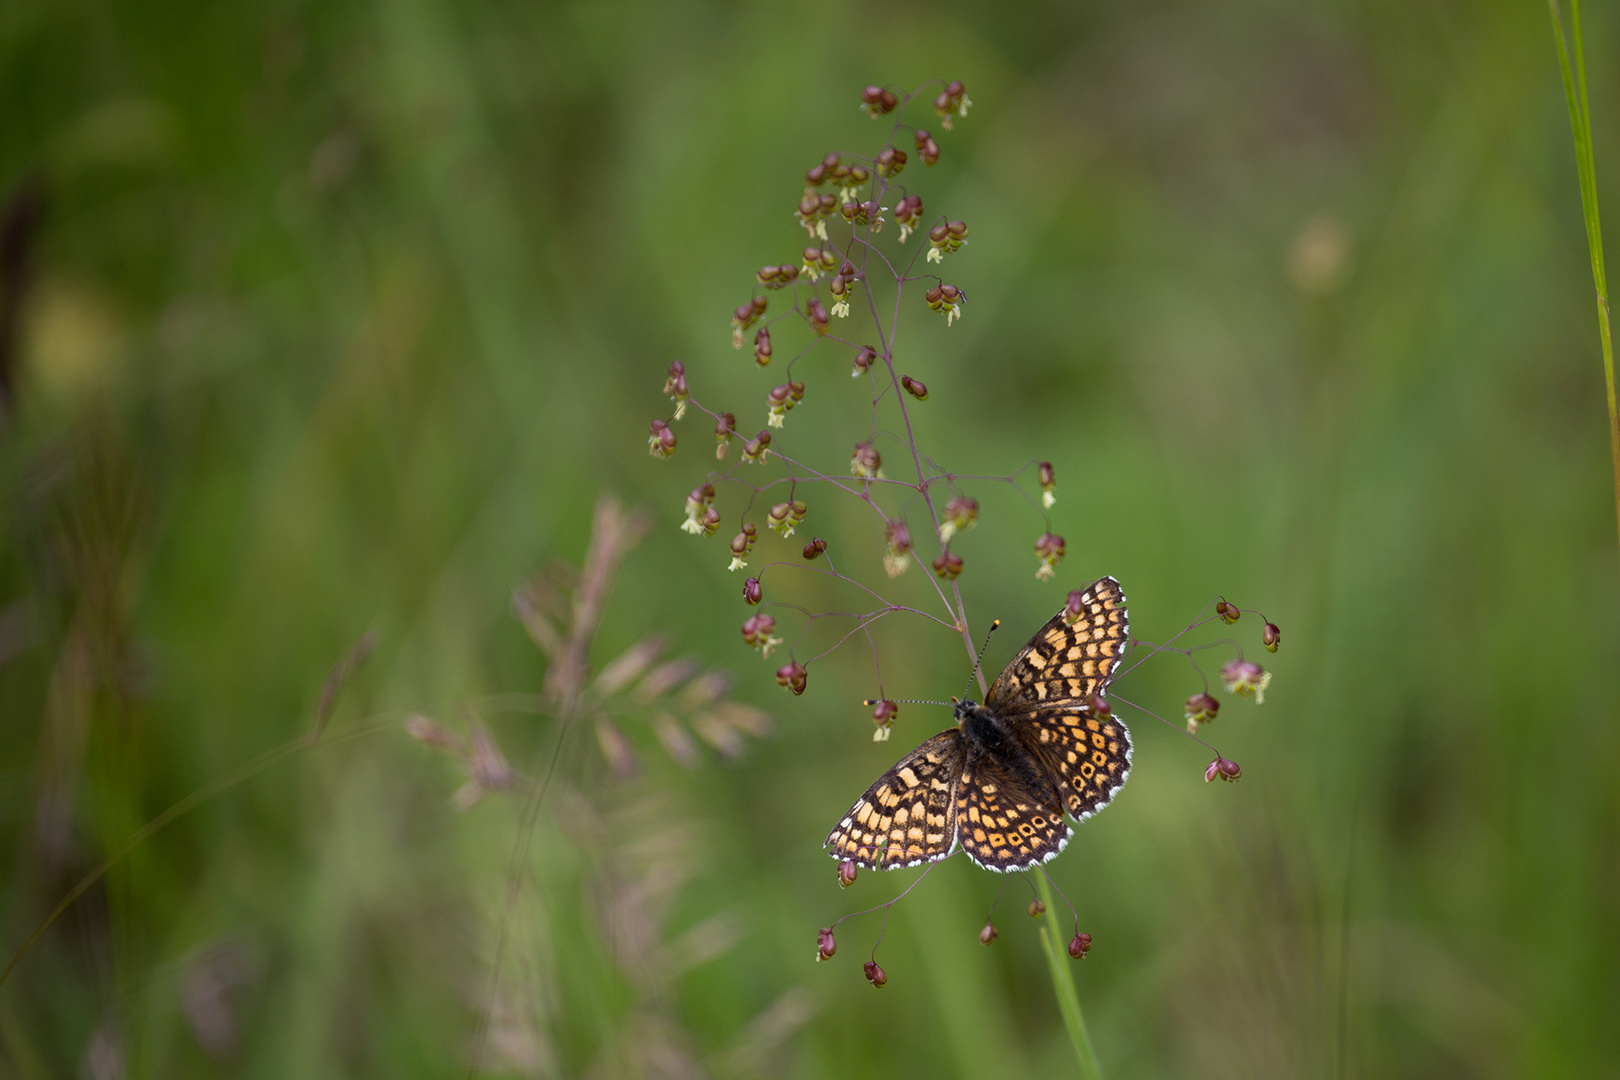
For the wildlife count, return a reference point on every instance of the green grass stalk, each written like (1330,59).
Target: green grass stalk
(1580,127)
(1068,998)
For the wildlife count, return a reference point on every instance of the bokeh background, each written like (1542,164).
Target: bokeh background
(327,319)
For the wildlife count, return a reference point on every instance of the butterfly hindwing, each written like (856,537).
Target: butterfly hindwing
(909,815)
(1088,755)
(1003,823)
(1066,663)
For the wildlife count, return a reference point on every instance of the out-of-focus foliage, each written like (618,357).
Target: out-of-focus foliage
(328,318)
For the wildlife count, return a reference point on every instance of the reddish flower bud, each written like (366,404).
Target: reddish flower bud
(865,462)
(846,873)
(1246,678)
(1201,709)
(927,148)
(1049,550)
(948,566)
(756,632)
(865,358)
(1226,770)
(817,316)
(826,944)
(914,387)
(1079,945)
(1048,480)
(897,546)
(988,934)
(883,718)
(876,101)
(945,299)
(762,346)
(752,593)
(815,547)
(1271,636)
(1036,909)
(1099,705)
(758,448)
(1228,613)
(792,676)
(875,974)
(891,162)
(660,439)
(675,387)
(1075,607)
(961,514)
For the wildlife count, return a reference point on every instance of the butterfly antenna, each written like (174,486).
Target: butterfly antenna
(994,626)
(907,701)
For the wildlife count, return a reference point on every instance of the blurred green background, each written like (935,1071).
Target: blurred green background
(322,319)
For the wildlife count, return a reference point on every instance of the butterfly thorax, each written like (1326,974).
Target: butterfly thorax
(987,735)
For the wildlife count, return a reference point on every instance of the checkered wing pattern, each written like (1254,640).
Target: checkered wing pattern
(909,816)
(1089,755)
(1064,663)
(1004,823)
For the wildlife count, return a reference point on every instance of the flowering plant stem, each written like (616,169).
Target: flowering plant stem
(1580,127)
(1068,998)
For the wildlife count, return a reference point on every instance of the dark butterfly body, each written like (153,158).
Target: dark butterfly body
(998,784)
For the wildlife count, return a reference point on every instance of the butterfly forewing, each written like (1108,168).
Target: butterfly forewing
(1003,823)
(1089,754)
(909,815)
(1066,663)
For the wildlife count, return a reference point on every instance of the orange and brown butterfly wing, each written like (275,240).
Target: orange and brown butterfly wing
(1002,823)
(1066,663)
(909,816)
(1087,756)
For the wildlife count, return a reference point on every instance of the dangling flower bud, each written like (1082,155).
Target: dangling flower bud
(1226,770)
(875,975)
(698,519)
(1079,945)
(818,261)
(1228,612)
(1271,637)
(741,545)
(1048,481)
(752,593)
(786,516)
(1246,678)
(890,162)
(1049,550)
(756,632)
(948,566)
(908,212)
(961,514)
(675,387)
(660,440)
(876,101)
(927,148)
(724,428)
(1036,909)
(1099,706)
(866,462)
(914,387)
(988,934)
(778,402)
(864,359)
(951,99)
(883,717)
(777,277)
(826,945)
(1074,608)
(758,448)
(947,300)
(813,211)
(897,546)
(792,676)
(814,548)
(846,873)
(1201,709)
(817,315)
(745,316)
(762,346)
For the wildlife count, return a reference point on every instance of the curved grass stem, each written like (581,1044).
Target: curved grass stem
(1068,998)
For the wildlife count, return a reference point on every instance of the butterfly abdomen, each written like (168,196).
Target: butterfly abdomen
(986,735)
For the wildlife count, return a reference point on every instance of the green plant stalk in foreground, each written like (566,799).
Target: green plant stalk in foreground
(1068,999)
(1580,127)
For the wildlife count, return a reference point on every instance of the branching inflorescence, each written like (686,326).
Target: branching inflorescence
(855,272)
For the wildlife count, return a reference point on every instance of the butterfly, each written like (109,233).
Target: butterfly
(998,784)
